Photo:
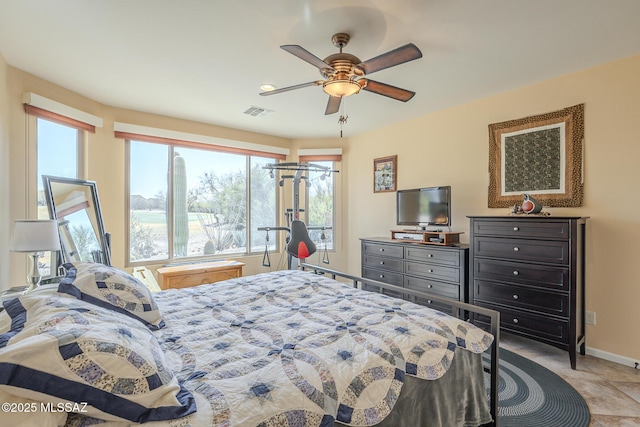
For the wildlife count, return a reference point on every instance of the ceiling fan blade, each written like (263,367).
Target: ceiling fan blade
(388,90)
(333,105)
(288,88)
(398,56)
(307,56)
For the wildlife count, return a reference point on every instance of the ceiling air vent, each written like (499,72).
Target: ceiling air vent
(254,111)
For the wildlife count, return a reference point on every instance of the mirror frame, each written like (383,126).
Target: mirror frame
(102,236)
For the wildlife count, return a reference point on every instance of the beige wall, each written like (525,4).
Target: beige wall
(450,147)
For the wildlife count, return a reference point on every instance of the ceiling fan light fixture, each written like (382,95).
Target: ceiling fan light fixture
(341,88)
(267,87)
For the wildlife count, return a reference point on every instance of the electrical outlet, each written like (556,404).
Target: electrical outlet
(590,318)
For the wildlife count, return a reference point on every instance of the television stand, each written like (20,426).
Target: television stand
(442,238)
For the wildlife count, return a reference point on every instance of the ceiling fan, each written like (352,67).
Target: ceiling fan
(344,73)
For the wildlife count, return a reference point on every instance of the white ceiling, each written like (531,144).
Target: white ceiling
(204,60)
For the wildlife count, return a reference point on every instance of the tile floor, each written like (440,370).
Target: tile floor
(611,390)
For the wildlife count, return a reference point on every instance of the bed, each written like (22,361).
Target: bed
(286,348)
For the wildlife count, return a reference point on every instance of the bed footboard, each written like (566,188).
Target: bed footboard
(458,308)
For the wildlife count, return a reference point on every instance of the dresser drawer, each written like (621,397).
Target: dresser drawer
(522,297)
(549,251)
(188,280)
(432,304)
(394,251)
(432,286)
(541,327)
(384,263)
(541,276)
(385,277)
(382,276)
(432,271)
(187,275)
(434,256)
(527,228)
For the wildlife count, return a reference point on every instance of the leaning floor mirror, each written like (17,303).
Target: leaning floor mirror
(74,203)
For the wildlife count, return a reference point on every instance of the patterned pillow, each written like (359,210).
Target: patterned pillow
(84,358)
(111,288)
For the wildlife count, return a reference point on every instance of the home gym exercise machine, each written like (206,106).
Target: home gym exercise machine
(298,243)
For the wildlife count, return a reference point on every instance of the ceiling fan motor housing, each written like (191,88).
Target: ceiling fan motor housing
(343,64)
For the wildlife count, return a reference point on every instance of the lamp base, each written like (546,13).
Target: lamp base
(33,278)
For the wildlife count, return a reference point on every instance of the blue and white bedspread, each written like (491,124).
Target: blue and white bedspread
(292,348)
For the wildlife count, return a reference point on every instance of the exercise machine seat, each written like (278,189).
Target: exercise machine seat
(300,245)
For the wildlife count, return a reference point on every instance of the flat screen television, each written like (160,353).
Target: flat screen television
(424,207)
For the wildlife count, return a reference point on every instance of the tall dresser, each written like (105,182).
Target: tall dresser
(531,270)
(440,270)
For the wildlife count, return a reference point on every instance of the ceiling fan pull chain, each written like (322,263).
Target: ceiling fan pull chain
(342,120)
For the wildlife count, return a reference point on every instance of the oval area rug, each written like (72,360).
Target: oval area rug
(530,395)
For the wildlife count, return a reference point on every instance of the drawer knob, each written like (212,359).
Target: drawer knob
(429,286)
(515,296)
(430,256)
(381,249)
(516,228)
(515,320)
(381,262)
(430,271)
(429,301)
(515,273)
(516,249)
(382,276)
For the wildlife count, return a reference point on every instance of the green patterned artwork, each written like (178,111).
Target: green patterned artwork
(533,161)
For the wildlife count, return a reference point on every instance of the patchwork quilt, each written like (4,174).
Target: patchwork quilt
(291,348)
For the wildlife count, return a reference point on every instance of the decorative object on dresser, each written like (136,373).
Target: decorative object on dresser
(34,237)
(530,205)
(539,155)
(187,275)
(532,270)
(440,270)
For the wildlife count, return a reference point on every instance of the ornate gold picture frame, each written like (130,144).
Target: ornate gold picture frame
(385,170)
(538,155)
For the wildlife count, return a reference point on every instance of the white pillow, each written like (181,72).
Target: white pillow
(65,351)
(111,288)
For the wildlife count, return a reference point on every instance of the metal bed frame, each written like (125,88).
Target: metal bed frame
(457,309)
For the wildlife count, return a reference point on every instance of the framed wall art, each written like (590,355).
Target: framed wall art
(385,170)
(538,155)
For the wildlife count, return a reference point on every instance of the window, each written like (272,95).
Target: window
(321,205)
(58,152)
(190,201)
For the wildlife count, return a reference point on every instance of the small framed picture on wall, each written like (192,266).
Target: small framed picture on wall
(385,171)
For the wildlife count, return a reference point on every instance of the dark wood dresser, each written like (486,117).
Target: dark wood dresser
(531,270)
(440,270)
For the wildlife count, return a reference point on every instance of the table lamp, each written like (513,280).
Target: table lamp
(34,236)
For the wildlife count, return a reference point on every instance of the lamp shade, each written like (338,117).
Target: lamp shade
(35,236)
